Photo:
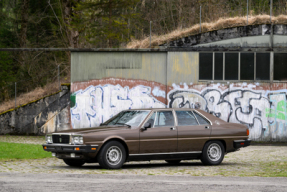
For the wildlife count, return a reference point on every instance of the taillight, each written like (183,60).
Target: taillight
(247,132)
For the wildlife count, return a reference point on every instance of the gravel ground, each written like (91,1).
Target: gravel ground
(23,139)
(256,160)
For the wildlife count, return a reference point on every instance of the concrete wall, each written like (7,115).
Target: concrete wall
(252,36)
(170,79)
(39,117)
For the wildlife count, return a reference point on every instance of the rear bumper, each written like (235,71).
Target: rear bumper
(62,148)
(241,143)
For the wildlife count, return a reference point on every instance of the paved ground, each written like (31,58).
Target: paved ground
(84,182)
(251,161)
(52,174)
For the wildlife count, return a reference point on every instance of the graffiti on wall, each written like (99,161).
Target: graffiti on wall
(264,112)
(97,104)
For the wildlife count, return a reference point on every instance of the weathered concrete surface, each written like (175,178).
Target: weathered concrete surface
(31,117)
(245,36)
(76,182)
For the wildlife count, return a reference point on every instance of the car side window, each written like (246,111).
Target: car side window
(201,120)
(185,118)
(164,118)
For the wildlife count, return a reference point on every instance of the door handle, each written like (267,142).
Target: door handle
(206,127)
(172,128)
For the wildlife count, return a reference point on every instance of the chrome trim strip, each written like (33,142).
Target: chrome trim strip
(132,140)
(171,153)
(158,139)
(226,137)
(203,116)
(186,138)
(195,117)
(67,145)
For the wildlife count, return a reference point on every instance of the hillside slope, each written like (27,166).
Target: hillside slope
(205,27)
(37,93)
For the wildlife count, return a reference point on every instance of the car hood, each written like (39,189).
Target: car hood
(93,129)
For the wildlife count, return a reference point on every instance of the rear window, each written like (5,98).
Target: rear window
(200,119)
(185,118)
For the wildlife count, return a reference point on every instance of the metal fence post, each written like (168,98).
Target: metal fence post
(15,94)
(271,34)
(200,19)
(247,12)
(271,6)
(150,34)
(59,77)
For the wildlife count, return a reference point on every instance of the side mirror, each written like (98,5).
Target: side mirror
(146,125)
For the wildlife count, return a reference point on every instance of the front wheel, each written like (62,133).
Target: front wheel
(74,162)
(213,153)
(112,155)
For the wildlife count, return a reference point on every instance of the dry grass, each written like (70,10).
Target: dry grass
(219,24)
(36,94)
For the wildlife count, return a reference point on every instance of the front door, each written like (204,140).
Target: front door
(162,136)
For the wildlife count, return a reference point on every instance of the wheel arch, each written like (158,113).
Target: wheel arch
(220,140)
(119,140)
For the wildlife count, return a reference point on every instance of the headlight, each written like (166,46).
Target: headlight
(49,139)
(78,140)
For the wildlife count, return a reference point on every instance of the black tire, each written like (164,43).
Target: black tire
(74,162)
(213,153)
(173,161)
(112,155)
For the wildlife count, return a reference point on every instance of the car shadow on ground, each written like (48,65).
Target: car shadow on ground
(145,165)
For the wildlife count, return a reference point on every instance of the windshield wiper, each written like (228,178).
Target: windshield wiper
(123,124)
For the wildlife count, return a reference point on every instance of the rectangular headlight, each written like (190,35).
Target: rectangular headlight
(49,139)
(78,140)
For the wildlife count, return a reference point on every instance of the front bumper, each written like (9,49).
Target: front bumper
(241,143)
(66,148)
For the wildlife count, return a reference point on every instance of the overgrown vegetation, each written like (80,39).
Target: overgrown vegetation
(96,24)
(11,151)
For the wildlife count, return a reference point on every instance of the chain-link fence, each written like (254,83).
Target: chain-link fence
(171,18)
(19,98)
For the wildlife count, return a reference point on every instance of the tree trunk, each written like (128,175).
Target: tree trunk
(72,35)
(110,22)
(24,27)
(24,22)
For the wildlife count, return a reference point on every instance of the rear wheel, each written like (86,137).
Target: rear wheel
(112,155)
(74,162)
(173,161)
(213,153)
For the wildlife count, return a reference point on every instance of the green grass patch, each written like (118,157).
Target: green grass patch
(10,151)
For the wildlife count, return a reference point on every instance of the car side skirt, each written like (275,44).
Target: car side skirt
(165,156)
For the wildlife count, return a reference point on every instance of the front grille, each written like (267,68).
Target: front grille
(61,139)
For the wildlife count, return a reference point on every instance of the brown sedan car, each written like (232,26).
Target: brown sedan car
(150,134)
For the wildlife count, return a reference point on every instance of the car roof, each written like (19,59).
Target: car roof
(207,115)
(156,109)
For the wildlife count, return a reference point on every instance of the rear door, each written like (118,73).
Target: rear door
(162,136)
(193,131)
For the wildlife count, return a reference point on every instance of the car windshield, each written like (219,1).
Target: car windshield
(129,118)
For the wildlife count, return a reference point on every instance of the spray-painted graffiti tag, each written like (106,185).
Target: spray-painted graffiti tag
(253,108)
(264,112)
(96,104)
